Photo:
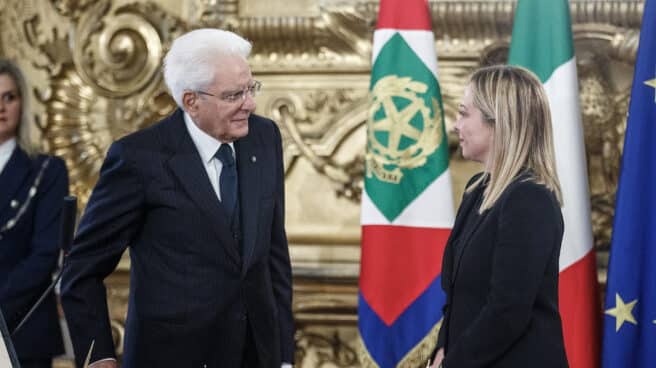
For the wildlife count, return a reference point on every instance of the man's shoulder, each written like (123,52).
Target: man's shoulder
(156,134)
(261,122)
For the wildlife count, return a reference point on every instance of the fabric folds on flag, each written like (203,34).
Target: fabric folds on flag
(407,206)
(630,311)
(542,42)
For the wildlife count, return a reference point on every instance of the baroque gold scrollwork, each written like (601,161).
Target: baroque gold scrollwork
(323,350)
(604,125)
(71,8)
(116,54)
(314,128)
(74,129)
(119,53)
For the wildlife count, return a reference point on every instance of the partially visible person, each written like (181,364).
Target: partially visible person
(32,189)
(500,265)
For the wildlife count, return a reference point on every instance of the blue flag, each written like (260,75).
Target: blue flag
(630,311)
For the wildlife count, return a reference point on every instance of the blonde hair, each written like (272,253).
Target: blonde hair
(513,101)
(23,129)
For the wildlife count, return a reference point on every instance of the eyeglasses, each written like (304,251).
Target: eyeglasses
(252,90)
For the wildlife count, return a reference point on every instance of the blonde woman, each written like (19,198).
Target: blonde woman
(500,266)
(32,190)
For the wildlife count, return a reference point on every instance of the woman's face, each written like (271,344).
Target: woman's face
(10,108)
(476,136)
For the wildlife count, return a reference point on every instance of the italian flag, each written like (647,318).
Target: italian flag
(407,207)
(542,42)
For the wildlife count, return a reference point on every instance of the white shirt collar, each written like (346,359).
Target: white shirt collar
(6,149)
(205,143)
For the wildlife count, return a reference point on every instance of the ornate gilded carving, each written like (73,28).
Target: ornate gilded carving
(602,107)
(119,52)
(314,124)
(325,316)
(323,350)
(71,8)
(73,131)
(106,85)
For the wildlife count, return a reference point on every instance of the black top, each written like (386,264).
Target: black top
(471,217)
(29,231)
(500,275)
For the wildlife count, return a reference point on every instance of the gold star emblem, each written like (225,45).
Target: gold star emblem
(622,312)
(652,83)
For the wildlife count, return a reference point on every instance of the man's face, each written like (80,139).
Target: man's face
(224,120)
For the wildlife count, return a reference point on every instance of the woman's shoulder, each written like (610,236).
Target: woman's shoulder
(51,163)
(49,168)
(526,188)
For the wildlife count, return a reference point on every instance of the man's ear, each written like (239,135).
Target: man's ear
(190,102)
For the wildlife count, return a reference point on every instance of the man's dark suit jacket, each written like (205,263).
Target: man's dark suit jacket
(193,289)
(29,250)
(500,276)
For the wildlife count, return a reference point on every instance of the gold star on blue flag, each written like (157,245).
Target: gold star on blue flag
(652,83)
(622,312)
(629,331)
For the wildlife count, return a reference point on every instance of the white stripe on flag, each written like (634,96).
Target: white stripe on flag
(562,90)
(432,208)
(421,42)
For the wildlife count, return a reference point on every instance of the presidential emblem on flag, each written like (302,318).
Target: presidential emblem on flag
(407,204)
(404,127)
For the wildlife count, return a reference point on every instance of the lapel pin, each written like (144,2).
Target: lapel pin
(14,203)
(253,159)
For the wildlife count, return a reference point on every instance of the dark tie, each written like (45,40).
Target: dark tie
(228,178)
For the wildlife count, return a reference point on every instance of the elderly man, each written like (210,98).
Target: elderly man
(199,199)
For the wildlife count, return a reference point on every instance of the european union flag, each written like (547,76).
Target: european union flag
(630,311)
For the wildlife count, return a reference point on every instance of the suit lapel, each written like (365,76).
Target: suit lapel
(187,166)
(464,240)
(248,170)
(13,176)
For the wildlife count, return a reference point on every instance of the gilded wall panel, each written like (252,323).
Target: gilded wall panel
(95,72)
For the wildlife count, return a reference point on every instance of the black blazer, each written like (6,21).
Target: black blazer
(29,249)
(192,293)
(501,281)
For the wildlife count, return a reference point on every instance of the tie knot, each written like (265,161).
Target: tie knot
(224,154)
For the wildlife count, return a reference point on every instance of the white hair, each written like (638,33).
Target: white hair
(190,63)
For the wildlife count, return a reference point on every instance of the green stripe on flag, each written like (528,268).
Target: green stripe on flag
(406,139)
(542,36)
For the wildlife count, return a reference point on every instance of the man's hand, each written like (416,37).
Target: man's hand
(437,363)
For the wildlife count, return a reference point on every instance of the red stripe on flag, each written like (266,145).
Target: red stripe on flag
(580,310)
(397,264)
(404,14)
